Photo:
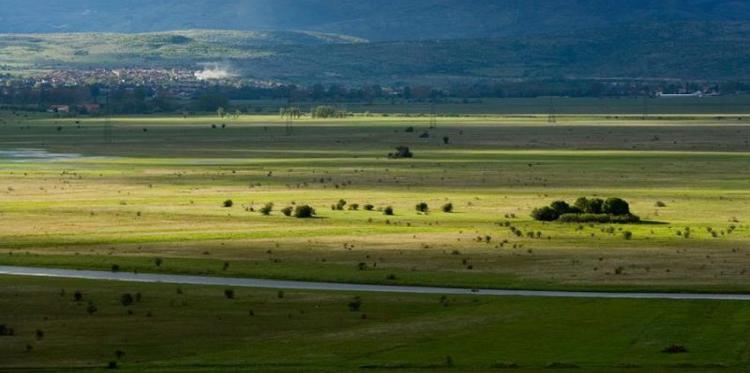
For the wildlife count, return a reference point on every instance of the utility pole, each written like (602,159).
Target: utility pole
(290,112)
(551,113)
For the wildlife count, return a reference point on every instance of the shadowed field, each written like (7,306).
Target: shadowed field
(198,329)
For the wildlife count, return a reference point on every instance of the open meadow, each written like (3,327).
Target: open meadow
(151,194)
(148,190)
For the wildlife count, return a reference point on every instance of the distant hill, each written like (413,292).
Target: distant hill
(376,20)
(689,50)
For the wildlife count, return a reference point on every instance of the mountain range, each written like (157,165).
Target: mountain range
(387,41)
(375,20)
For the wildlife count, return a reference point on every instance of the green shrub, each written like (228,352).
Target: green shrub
(369,207)
(448,208)
(616,206)
(613,210)
(229,293)
(589,206)
(354,207)
(355,305)
(598,218)
(287,211)
(423,207)
(228,203)
(126,300)
(388,211)
(340,205)
(545,214)
(560,207)
(304,212)
(267,209)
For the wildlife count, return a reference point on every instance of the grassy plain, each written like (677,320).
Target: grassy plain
(197,329)
(146,194)
(652,107)
(156,191)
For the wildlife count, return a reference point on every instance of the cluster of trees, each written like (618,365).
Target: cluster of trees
(327,112)
(146,99)
(585,210)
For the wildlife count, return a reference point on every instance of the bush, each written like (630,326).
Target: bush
(304,212)
(266,210)
(6,331)
(616,206)
(423,207)
(448,208)
(545,214)
(354,207)
(589,206)
(287,211)
(401,152)
(628,235)
(598,218)
(369,207)
(674,349)
(229,294)
(355,304)
(340,205)
(127,300)
(228,203)
(388,210)
(561,207)
(660,204)
(613,210)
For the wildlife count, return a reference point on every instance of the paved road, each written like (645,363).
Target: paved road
(300,285)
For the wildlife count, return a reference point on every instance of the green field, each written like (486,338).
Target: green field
(146,193)
(728,108)
(156,191)
(197,329)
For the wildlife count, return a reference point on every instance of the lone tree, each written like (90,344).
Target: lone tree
(304,212)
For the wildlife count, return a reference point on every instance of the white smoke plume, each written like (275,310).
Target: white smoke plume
(214,71)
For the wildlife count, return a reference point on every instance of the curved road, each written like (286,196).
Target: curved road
(325,286)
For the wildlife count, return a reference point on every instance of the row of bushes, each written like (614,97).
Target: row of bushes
(598,218)
(584,210)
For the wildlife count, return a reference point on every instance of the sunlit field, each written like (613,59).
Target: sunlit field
(148,194)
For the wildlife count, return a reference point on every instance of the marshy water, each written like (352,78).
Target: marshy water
(35,155)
